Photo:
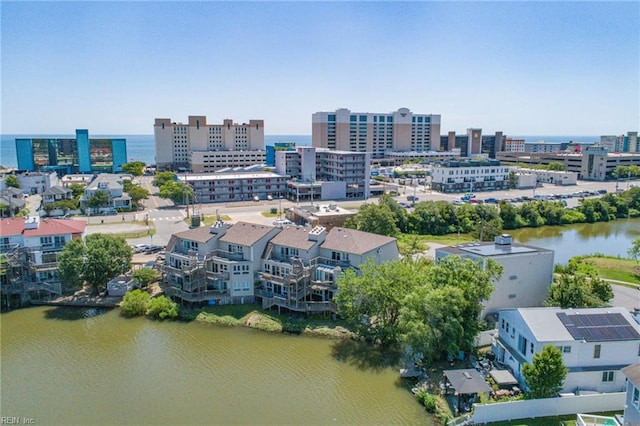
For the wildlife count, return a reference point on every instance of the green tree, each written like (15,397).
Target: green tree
(134,303)
(634,251)
(513,180)
(12,181)
(556,166)
(374,218)
(511,219)
(576,288)
(371,301)
(66,205)
(487,222)
(162,307)
(176,192)
(145,276)
(77,190)
(5,211)
(71,263)
(98,199)
(135,168)
(107,256)
(399,213)
(443,317)
(137,194)
(545,375)
(162,178)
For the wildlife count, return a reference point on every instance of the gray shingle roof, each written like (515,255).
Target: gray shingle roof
(294,236)
(353,241)
(246,234)
(200,235)
(633,373)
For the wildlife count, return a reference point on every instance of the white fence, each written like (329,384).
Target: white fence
(561,406)
(485,338)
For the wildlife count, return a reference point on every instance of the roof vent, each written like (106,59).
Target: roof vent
(466,374)
(503,240)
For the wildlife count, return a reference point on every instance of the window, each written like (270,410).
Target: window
(566,349)
(596,351)
(608,376)
(636,397)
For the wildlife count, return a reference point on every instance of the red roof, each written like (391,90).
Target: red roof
(15,226)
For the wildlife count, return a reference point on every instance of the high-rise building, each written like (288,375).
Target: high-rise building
(376,133)
(203,147)
(621,143)
(68,155)
(474,144)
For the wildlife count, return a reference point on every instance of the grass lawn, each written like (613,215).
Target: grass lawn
(615,268)
(254,317)
(407,240)
(209,220)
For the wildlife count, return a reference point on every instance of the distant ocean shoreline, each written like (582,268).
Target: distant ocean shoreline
(142,147)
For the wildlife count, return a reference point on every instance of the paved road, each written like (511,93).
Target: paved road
(627,297)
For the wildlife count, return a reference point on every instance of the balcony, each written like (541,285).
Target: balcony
(195,297)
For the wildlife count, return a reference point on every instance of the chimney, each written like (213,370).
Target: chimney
(503,240)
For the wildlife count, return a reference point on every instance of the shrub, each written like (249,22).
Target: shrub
(134,303)
(162,307)
(428,400)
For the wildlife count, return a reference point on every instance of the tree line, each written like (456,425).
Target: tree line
(484,221)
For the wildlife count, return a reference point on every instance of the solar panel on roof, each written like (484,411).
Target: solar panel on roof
(598,327)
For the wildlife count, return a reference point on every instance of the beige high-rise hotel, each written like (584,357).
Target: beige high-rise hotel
(202,147)
(376,133)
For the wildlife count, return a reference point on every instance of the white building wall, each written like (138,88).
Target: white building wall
(524,283)
(334,190)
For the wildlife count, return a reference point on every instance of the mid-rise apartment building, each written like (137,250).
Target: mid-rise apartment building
(67,155)
(473,175)
(325,174)
(203,147)
(235,186)
(376,133)
(513,145)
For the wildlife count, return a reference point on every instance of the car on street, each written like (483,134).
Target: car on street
(150,249)
(491,201)
(412,198)
(139,248)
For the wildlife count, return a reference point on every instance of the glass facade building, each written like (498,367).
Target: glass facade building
(65,155)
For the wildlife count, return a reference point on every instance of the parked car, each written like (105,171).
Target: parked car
(110,212)
(491,201)
(139,248)
(152,249)
(412,198)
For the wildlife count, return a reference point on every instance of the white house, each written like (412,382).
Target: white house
(596,343)
(113,185)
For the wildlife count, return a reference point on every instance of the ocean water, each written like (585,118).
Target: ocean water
(142,147)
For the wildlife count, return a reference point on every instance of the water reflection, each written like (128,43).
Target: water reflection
(364,356)
(609,238)
(73,314)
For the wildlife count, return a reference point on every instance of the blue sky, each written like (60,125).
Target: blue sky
(525,68)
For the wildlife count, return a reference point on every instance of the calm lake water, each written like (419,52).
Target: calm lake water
(66,367)
(610,238)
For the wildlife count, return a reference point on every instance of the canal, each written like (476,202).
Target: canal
(65,366)
(609,238)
